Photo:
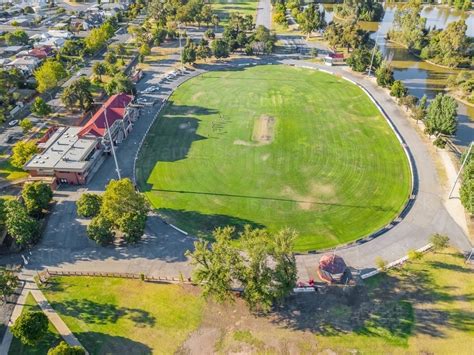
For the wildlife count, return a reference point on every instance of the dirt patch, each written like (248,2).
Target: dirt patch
(264,130)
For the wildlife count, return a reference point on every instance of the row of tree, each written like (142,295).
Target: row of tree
(120,211)
(263,268)
(21,218)
(361,10)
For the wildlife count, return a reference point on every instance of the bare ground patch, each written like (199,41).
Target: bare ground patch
(264,129)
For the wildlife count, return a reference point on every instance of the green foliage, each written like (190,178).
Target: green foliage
(65,349)
(132,225)
(220,48)
(144,49)
(311,20)
(362,10)
(26,125)
(346,34)
(189,52)
(89,205)
(100,230)
(449,46)
(119,84)
(439,241)
(40,107)
(99,69)
(360,59)
(398,89)
(9,282)
(36,196)
(279,14)
(409,26)
(384,75)
(20,226)
(110,57)
(73,47)
(467,186)
(381,263)
(218,267)
(98,37)
(30,327)
(49,74)
(78,94)
(22,152)
(441,116)
(414,255)
(16,38)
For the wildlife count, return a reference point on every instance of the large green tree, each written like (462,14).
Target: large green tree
(49,74)
(89,205)
(409,27)
(22,152)
(36,196)
(20,226)
(30,327)
(78,94)
(40,107)
(100,229)
(311,20)
(441,116)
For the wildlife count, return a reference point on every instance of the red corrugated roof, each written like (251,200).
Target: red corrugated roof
(115,107)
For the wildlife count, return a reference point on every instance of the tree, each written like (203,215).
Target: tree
(22,152)
(30,327)
(360,59)
(419,112)
(398,90)
(439,241)
(409,26)
(8,283)
(99,69)
(96,39)
(384,75)
(311,20)
(144,50)
(119,84)
(65,349)
(26,125)
(36,196)
(20,226)
(49,74)
(120,197)
(40,107)
(110,57)
(215,265)
(203,51)
(17,38)
(89,205)
(409,101)
(100,230)
(220,48)
(78,94)
(467,186)
(189,52)
(132,225)
(441,116)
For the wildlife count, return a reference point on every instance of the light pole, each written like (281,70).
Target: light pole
(373,52)
(180,47)
(466,158)
(111,143)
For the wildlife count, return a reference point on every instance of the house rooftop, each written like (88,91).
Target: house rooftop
(63,150)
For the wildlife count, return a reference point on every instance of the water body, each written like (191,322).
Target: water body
(422,78)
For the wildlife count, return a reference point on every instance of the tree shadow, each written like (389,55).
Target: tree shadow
(202,225)
(101,343)
(100,313)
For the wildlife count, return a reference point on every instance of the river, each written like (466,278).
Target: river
(420,77)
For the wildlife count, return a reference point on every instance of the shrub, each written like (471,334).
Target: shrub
(414,255)
(439,142)
(439,241)
(381,263)
(37,196)
(397,89)
(65,349)
(30,327)
(88,205)
(100,230)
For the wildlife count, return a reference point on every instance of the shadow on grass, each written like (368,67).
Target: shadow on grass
(201,224)
(101,343)
(99,313)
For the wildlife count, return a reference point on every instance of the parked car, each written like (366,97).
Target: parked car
(13,123)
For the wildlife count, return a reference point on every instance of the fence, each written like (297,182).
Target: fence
(46,274)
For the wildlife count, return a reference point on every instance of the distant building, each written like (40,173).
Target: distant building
(26,64)
(73,154)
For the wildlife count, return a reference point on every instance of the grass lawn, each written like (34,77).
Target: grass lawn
(9,172)
(112,316)
(51,339)
(223,8)
(274,146)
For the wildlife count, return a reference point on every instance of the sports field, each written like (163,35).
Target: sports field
(274,146)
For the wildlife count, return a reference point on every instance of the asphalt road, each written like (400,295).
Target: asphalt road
(264,13)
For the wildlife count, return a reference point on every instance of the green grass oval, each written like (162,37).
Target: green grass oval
(274,146)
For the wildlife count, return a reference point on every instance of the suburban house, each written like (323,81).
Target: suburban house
(73,154)
(26,64)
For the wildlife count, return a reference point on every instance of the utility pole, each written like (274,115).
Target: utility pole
(180,47)
(111,143)
(466,158)
(373,51)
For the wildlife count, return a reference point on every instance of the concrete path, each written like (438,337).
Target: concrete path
(264,13)
(54,318)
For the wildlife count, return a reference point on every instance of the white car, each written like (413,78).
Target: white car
(13,123)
